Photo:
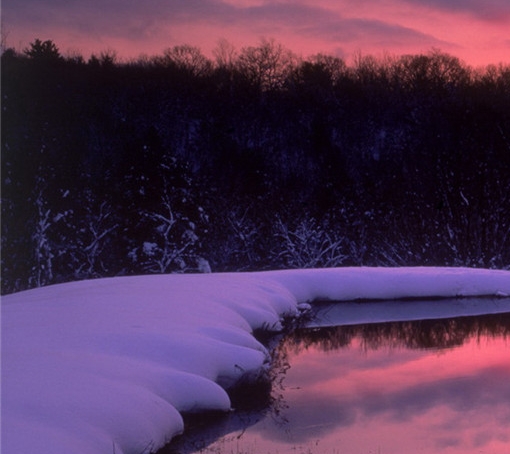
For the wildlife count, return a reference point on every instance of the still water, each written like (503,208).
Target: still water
(422,386)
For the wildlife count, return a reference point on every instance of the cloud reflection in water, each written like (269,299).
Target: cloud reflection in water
(359,388)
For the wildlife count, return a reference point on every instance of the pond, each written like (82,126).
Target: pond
(438,385)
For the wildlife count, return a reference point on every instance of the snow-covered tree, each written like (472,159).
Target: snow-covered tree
(308,245)
(90,249)
(43,250)
(173,243)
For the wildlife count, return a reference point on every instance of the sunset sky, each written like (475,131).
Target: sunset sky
(477,31)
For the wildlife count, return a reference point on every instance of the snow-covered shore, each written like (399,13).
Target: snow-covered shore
(109,365)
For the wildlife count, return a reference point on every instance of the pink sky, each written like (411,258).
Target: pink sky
(476,31)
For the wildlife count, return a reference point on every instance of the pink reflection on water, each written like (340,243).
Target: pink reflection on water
(388,398)
(453,401)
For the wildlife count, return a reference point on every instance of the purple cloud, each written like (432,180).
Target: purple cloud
(490,10)
(378,32)
(131,19)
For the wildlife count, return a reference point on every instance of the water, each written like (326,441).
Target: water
(422,386)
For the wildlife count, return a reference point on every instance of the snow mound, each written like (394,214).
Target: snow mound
(109,365)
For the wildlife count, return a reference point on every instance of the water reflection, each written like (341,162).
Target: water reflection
(420,334)
(422,386)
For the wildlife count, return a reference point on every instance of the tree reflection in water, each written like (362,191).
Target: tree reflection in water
(421,334)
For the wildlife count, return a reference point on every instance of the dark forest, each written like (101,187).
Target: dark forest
(254,160)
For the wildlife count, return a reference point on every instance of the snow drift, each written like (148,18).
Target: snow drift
(109,365)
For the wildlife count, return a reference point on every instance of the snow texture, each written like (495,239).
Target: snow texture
(109,365)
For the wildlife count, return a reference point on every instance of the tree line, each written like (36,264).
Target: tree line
(256,159)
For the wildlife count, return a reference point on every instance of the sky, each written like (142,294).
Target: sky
(476,31)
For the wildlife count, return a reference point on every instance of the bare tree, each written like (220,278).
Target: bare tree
(225,54)
(267,65)
(334,67)
(188,58)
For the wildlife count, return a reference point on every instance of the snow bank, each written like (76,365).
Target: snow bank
(107,366)
(360,283)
